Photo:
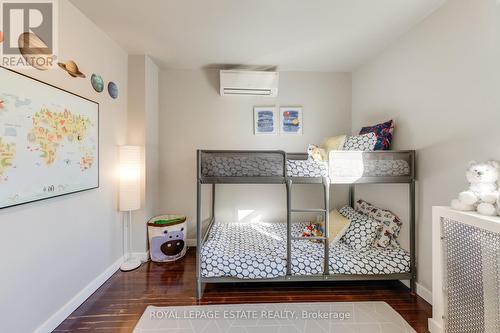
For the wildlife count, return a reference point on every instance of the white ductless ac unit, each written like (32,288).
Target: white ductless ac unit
(248,83)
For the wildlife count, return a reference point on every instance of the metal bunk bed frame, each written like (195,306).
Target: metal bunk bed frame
(288,182)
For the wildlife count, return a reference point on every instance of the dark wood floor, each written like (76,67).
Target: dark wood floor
(117,305)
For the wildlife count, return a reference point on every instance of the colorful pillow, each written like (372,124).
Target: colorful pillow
(334,143)
(384,133)
(391,224)
(362,231)
(364,142)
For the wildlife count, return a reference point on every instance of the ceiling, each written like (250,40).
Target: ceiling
(298,35)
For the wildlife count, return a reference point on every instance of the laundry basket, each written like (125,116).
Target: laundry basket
(167,237)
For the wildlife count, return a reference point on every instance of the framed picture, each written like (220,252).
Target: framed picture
(49,140)
(291,120)
(265,120)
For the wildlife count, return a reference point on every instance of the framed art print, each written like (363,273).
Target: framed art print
(49,140)
(265,120)
(291,120)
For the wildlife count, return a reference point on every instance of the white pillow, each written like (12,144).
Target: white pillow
(362,231)
(363,142)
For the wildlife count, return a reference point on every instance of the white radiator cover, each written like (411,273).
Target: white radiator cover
(466,272)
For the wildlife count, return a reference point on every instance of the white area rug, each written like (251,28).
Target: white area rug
(356,317)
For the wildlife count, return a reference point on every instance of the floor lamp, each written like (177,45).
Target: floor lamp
(130,198)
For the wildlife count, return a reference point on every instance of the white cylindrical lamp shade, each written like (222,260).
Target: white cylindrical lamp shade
(130,178)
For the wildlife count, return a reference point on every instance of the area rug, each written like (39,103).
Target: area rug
(339,317)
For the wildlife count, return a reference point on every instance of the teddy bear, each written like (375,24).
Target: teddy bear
(316,153)
(482,194)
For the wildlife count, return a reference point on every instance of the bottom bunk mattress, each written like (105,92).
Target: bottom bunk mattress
(258,250)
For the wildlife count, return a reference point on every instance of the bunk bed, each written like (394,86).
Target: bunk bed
(260,252)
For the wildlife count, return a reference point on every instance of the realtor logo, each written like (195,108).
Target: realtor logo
(29,32)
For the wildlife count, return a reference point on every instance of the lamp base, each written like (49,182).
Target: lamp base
(130,265)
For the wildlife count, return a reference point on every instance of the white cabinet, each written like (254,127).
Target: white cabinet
(466,272)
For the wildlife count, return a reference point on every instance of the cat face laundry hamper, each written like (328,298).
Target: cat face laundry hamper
(167,237)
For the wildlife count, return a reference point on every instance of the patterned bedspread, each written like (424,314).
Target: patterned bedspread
(306,168)
(258,250)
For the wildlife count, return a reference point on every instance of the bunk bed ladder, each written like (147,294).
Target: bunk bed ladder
(324,211)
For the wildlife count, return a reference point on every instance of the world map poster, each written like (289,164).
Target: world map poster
(49,141)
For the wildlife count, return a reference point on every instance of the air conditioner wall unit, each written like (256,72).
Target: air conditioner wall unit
(248,83)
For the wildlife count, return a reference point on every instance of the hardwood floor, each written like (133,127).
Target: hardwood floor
(117,305)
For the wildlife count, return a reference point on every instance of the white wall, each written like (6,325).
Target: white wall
(52,249)
(440,82)
(194,116)
(143,125)
(152,202)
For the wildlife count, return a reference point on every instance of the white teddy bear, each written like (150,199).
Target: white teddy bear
(482,194)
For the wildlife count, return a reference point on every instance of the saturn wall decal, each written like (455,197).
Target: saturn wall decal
(71,68)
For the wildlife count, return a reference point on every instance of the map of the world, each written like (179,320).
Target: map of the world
(48,141)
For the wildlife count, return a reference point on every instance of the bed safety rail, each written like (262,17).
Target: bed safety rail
(371,167)
(242,166)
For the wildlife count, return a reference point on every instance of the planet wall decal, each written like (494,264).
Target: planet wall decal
(97,83)
(71,68)
(113,90)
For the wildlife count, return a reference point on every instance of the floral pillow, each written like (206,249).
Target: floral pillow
(383,131)
(365,142)
(391,224)
(362,231)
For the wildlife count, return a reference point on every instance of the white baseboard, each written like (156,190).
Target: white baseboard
(434,326)
(423,292)
(57,318)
